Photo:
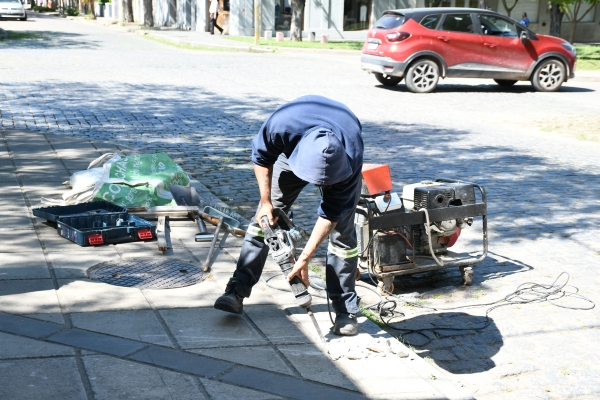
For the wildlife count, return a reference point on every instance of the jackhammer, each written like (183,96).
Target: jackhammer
(282,243)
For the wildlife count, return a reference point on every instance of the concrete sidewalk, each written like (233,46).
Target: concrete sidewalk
(64,336)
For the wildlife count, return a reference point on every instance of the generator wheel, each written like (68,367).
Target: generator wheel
(467,275)
(386,288)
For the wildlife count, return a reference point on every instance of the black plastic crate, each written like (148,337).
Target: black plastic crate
(93,230)
(83,209)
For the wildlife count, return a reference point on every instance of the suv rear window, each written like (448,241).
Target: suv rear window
(390,21)
(431,21)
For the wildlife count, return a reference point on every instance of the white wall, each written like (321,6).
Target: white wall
(241,18)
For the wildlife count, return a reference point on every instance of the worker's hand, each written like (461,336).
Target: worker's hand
(266,209)
(300,270)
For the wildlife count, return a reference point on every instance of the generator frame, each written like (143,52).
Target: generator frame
(416,263)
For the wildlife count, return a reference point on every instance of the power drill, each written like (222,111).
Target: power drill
(282,242)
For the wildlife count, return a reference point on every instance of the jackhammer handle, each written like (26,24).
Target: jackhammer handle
(299,290)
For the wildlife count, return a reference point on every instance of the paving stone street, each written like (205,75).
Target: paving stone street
(536,154)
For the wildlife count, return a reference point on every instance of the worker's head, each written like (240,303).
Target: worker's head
(524,15)
(320,158)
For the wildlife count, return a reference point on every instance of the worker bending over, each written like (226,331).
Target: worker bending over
(309,140)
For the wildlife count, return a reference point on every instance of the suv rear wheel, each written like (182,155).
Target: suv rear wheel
(505,82)
(387,80)
(548,76)
(422,76)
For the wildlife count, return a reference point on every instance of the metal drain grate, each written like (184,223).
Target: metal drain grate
(147,274)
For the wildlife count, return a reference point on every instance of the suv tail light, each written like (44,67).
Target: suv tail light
(397,36)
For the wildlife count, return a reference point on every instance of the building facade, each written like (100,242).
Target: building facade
(340,19)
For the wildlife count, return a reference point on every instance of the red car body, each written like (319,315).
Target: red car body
(463,42)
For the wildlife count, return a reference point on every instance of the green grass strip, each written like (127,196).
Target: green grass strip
(588,58)
(187,46)
(300,45)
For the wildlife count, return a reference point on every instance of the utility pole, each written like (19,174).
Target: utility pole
(256,21)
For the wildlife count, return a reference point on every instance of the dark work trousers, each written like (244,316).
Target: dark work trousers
(213,24)
(342,252)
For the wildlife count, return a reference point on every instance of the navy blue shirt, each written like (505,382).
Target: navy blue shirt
(332,151)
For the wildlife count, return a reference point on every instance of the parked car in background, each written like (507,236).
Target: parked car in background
(12,9)
(420,45)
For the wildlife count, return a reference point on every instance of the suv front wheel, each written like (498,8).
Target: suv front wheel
(548,76)
(387,80)
(422,76)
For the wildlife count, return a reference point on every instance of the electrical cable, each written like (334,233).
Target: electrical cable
(526,293)
(428,230)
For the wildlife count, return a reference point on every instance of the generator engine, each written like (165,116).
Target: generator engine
(386,250)
(392,244)
(429,195)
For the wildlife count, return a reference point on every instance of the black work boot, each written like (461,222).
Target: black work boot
(230,301)
(345,324)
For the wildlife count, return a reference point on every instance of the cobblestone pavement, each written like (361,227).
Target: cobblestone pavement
(203,108)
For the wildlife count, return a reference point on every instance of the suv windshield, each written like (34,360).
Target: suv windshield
(390,21)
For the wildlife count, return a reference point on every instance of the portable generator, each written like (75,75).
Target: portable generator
(412,233)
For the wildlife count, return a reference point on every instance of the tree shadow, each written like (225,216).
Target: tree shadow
(475,340)
(44,40)
(494,266)
(209,134)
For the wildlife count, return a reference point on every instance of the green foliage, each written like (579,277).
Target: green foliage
(575,10)
(72,11)
(43,9)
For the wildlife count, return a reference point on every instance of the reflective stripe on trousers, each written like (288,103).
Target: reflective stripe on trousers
(342,254)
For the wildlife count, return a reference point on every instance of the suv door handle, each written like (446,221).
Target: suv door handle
(490,45)
(443,38)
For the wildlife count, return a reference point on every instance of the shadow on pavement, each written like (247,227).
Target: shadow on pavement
(450,87)
(477,340)
(488,269)
(210,135)
(47,40)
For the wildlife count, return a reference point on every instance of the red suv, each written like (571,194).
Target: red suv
(422,44)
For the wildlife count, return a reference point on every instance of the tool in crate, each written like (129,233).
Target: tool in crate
(396,234)
(282,241)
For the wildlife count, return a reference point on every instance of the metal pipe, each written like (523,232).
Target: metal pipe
(206,266)
(203,236)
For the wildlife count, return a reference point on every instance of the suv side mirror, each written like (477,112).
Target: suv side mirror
(524,36)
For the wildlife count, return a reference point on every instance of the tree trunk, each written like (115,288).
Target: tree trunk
(92,8)
(573,29)
(509,10)
(556,17)
(148,13)
(127,10)
(296,25)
